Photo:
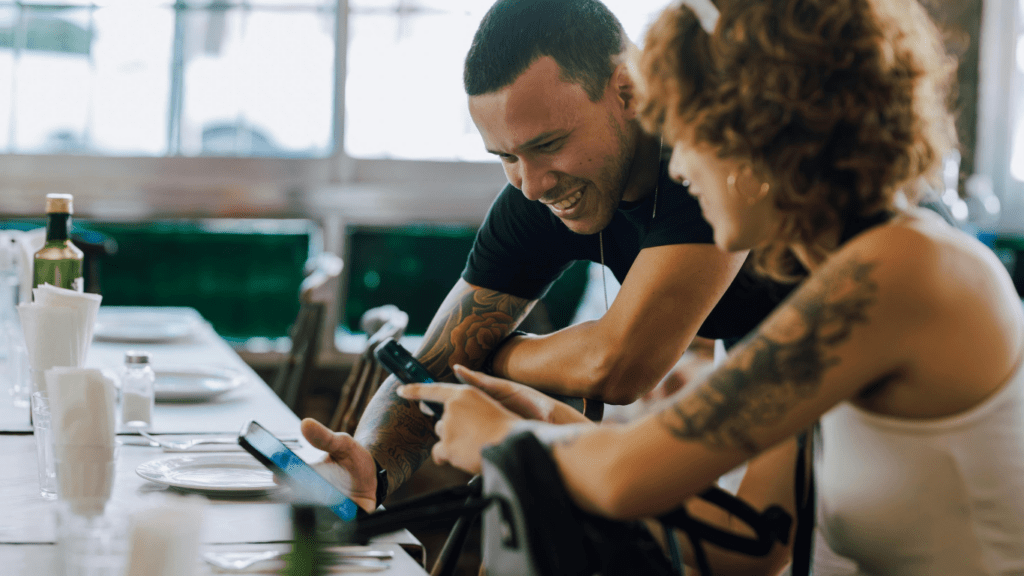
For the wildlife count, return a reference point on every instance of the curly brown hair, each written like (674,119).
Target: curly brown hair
(837,104)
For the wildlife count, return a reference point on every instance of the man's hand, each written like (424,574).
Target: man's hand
(471,421)
(521,400)
(347,465)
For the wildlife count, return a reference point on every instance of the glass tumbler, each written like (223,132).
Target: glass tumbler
(43,432)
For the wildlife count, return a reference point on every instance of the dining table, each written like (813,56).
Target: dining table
(231,521)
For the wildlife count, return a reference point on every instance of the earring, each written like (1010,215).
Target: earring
(760,193)
(730,184)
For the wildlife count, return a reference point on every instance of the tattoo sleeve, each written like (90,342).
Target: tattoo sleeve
(784,361)
(470,323)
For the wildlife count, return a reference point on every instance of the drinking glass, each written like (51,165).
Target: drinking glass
(20,380)
(45,461)
(92,545)
(13,354)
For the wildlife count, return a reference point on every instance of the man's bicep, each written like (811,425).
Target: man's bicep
(468,325)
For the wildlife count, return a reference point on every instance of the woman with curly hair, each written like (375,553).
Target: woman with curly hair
(805,129)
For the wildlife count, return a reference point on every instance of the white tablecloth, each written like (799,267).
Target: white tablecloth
(253,400)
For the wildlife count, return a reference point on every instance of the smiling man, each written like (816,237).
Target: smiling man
(550,92)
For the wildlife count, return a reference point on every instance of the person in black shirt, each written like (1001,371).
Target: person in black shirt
(552,96)
(522,248)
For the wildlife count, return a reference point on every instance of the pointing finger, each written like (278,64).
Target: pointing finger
(429,392)
(494,387)
(464,375)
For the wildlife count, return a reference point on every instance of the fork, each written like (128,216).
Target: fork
(186,444)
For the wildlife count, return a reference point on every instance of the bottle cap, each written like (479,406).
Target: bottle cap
(136,357)
(58,204)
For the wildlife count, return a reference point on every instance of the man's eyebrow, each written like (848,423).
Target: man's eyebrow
(532,141)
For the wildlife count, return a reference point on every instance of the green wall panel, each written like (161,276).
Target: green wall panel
(414,267)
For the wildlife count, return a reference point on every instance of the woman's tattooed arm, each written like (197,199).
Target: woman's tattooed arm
(780,364)
(470,323)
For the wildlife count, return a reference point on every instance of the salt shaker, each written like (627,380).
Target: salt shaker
(137,394)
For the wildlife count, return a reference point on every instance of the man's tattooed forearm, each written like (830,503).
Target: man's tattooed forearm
(396,432)
(781,363)
(468,325)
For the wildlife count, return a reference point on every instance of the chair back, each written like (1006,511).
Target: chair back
(313,328)
(367,374)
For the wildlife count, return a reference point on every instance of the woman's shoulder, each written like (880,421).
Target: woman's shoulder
(919,255)
(949,302)
(916,242)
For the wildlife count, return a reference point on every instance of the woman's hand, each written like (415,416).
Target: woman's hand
(472,421)
(522,400)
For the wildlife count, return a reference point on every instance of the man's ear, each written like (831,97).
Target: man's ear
(624,81)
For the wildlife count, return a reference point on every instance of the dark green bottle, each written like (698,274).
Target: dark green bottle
(59,262)
(308,556)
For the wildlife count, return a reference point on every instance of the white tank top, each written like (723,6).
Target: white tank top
(925,497)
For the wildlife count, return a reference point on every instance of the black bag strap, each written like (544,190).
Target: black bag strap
(769,526)
(803,542)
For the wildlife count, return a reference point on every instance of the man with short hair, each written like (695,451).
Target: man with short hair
(550,91)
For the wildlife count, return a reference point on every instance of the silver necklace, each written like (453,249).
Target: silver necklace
(600,235)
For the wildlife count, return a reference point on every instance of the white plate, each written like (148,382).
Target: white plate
(194,383)
(144,326)
(234,473)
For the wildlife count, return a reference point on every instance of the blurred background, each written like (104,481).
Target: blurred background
(214,147)
(219,151)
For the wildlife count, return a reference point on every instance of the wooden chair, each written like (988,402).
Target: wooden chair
(367,374)
(313,329)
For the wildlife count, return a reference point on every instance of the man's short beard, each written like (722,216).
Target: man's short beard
(616,173)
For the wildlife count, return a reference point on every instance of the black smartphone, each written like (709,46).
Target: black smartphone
(406,368)
(305,482)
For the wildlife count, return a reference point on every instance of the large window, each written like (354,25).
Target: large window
(234,106)
(1000,153)
(404,96)
(240,77)
(160,78)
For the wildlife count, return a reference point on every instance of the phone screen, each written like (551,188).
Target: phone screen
(296,473)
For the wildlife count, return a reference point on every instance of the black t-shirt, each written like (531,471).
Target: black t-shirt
(522,248)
